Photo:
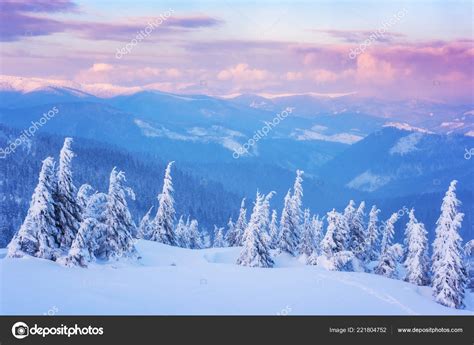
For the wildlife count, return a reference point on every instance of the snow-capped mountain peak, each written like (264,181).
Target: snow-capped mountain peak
(406,127)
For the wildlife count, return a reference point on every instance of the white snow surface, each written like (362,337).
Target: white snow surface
(176,281)
(368,181)
(405,126)
(406,144)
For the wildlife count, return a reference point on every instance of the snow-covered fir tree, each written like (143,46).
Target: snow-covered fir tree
(94,219)
(297,201)
(289,236)
(206,239)
(357,233)
(83,195)
(90,241)
(255,253)
(273,230)
(416,262)
(265,220)
(163,225)
(308,242)
(81,252)
(317,229)
(240,226)
(388,232)
(145,227)
(181,233)
(67,209)
(120,226)
(389,259)
(350,211)
(448,271)
(38,235)
(219,238)
(469,263)
(194,237)
(336,234)
(373,235)
(231,235)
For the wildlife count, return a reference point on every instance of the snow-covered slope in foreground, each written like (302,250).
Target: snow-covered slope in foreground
(169,280)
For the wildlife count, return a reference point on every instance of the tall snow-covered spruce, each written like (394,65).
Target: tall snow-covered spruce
(297,201)
(308,242)
(230,235)
(317,229)
(273,230)
(67,209)
(255,253)
(417,262)
(219,238)
(388,232)
(389,254)
(373,235)
(357,233)
(265,219)
(449,277)
(120,226)
(194,237)
(235,235)
(289,236)
(163,224)
(38,235)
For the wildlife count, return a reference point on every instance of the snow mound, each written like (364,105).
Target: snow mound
(176,281)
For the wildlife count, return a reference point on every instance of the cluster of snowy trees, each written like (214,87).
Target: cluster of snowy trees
(353,243)
(74,227)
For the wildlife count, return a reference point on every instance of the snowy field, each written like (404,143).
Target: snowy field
(176,281)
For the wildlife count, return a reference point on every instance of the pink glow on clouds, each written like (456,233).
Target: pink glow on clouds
(177,58)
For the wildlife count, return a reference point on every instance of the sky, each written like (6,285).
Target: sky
(387,49)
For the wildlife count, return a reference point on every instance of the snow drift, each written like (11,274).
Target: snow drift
(175,281)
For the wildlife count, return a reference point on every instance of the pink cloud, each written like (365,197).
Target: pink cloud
(241,72)
(121,74)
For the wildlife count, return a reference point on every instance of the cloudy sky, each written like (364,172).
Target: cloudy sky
(389,49)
